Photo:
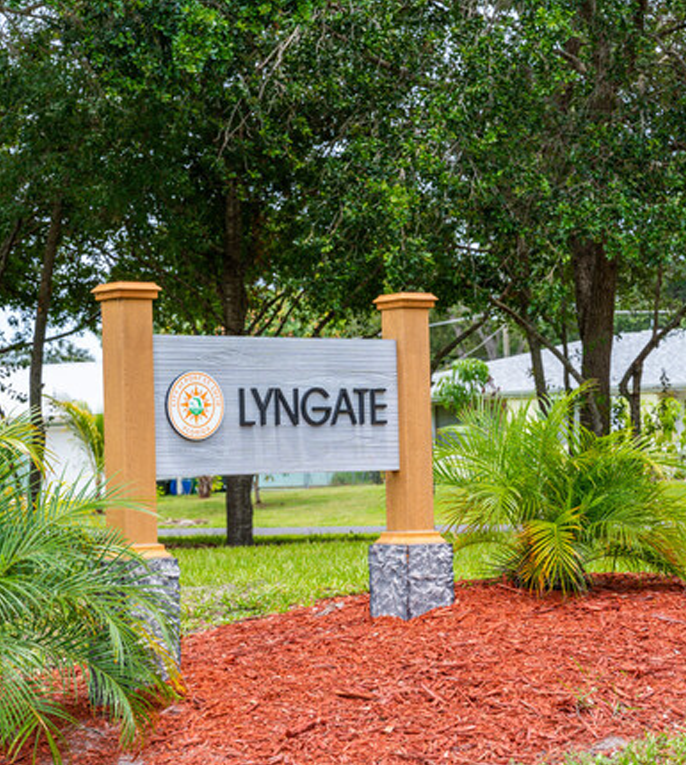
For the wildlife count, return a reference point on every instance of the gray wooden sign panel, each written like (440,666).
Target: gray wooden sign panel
(355,380)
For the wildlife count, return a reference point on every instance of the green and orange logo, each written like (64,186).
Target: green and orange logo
(195,405)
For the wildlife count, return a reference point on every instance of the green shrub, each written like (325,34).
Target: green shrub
(74,610)
(662,423)
(547,498)
(464,387)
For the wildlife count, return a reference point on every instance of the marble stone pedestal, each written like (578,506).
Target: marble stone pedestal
(409,580)
(164,574)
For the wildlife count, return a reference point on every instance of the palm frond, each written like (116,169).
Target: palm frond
(20,444)
(552,558)
(86,427)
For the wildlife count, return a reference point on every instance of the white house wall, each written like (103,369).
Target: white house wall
(67,461)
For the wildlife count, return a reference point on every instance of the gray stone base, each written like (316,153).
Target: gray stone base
(409,580)
(164,574)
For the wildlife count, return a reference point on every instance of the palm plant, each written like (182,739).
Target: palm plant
(89,431)
(546,498)
(75,609)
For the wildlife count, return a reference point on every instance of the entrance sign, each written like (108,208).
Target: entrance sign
(239,405)
(222,405)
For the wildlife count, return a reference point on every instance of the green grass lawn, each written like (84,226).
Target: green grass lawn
(361,505)
(225,584)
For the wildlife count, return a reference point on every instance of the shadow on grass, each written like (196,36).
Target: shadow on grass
(200,542)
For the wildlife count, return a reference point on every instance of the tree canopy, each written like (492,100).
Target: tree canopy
(279,164)
(557,133)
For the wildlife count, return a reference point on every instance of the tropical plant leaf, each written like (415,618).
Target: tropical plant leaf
(88,429)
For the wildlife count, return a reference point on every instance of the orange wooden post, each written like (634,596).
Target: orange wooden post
(129,409)
(410,565)
(409,491)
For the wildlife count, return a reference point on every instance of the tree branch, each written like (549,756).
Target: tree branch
(446,349)
(670,30)
(261,330)
(30,11)
(576,63)
(647,349)
(566,363)
(267,304)
(85,324)
(288,313)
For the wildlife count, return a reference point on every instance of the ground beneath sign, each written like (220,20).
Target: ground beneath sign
(501,675)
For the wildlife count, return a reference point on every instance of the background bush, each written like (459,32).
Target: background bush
(546,498)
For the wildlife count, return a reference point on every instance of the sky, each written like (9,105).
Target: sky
(86,340)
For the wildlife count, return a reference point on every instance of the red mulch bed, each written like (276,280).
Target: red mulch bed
(501,675)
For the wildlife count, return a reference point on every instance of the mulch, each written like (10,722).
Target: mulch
(499,676)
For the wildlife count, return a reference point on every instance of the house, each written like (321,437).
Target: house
(664,370)
(77,381)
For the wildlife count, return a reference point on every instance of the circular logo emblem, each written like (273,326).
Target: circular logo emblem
(195,405)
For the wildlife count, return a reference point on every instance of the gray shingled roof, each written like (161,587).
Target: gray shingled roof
(666,365)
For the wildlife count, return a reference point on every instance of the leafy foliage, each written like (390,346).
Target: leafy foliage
(466,383)
(547,498)
(75,609)
(663,424)
(555,130)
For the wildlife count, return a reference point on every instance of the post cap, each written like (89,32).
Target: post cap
(405,300)
(126,291)
(428,537)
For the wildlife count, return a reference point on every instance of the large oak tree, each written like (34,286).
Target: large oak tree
(559,132)
(252,159)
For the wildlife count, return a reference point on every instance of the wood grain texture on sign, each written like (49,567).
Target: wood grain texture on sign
(285,363)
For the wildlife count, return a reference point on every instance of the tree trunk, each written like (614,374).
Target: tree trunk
(40,326)
(233,292)
(235,308)
(538,372)
(258,493)
(635,370)
(565,347)
(634,399)
(205,486)
(239,510)
(595,285)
